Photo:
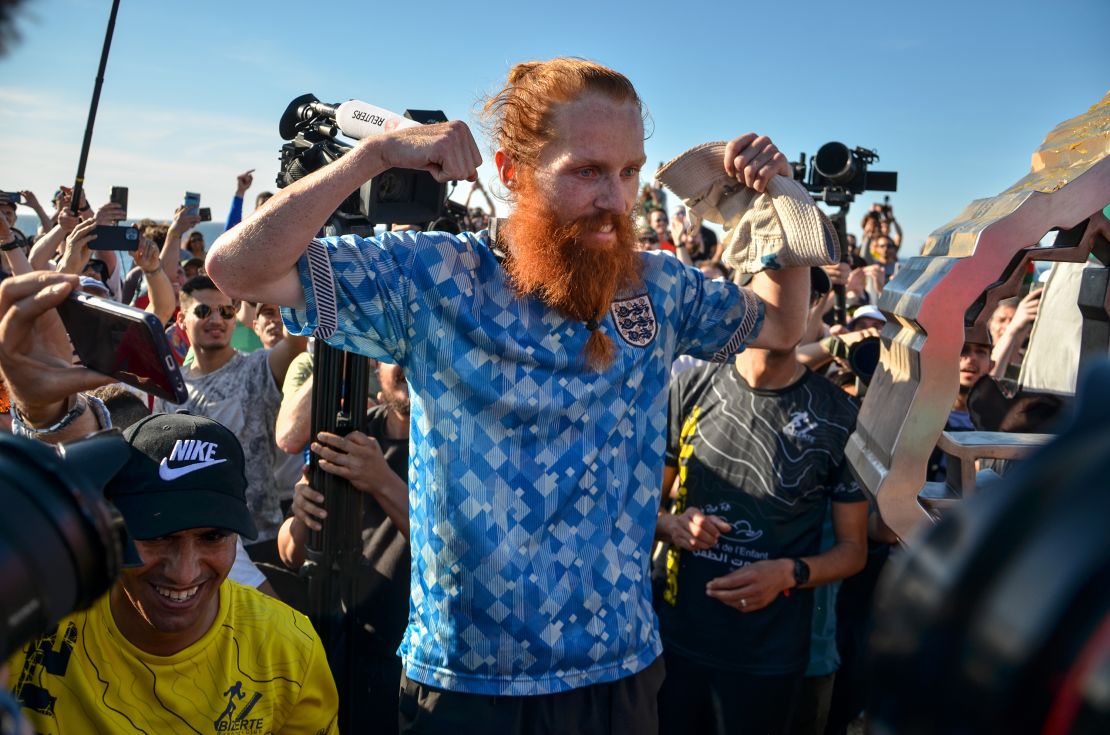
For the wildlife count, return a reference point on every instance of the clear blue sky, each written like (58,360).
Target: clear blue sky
(955,96)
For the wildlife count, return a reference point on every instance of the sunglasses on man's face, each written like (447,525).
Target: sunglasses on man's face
(203,311)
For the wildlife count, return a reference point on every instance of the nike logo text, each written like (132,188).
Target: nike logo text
(169,474)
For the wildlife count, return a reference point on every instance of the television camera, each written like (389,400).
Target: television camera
(396,196)
(835,176)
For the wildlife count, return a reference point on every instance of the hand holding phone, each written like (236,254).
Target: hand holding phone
(123,342)
(34,350)
(78,243)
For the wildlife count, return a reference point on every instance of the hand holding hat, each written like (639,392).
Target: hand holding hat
(771,220)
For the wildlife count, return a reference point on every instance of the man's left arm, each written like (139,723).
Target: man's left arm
(753,161)
(781,295)
(848,555)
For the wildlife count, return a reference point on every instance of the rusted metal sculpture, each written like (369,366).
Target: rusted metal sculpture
(963,270)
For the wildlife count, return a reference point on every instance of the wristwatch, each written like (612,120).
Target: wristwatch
(801,573)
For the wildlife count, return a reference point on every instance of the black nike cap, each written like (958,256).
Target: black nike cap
(184,472)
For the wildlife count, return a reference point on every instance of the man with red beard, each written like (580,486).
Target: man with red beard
(537,355)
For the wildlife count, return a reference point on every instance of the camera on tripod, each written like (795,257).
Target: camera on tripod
(397,196)
(837,173)
(835,176)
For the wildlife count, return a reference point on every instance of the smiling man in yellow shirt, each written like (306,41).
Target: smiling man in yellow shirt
(175,646)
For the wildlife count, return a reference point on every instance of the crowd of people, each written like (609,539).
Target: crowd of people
(604,481)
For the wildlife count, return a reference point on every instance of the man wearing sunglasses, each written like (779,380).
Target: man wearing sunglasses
(241,391)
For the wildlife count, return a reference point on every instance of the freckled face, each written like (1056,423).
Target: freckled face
(592,165)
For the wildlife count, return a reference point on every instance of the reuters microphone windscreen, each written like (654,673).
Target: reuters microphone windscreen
(357,119)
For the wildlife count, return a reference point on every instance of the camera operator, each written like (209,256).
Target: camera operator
(866,323)
(880,220)
(375,463)
(133,281)
(44,386)
(162,299)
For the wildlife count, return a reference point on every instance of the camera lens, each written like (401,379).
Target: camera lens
(998,618)
(834,162)
(60,541)
(863,357)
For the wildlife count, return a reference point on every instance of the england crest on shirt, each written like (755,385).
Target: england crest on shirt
(635,320)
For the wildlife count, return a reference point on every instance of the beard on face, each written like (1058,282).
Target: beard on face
(397,404)
(547,258)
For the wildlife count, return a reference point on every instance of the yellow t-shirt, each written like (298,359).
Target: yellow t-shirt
(259,669)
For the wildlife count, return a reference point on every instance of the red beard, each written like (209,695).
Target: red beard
(547,259)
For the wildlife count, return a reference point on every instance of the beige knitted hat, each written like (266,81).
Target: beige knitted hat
(782,228)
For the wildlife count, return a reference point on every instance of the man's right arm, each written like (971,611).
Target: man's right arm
(257,260)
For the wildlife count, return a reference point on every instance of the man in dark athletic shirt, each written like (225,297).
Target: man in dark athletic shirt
(757,448)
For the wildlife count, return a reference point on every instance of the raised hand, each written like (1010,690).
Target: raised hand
(754,160)
(445,150)
(243,182)
(147,256)
(183,221)
(76,253)
(109,214)
(35,356)
(31,200)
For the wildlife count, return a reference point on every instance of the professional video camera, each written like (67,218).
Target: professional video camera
(997,620)
(835,176)
(61,542)
(397,196)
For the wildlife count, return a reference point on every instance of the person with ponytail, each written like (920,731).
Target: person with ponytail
(537,354)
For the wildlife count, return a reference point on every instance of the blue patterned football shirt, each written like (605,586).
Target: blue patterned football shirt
(534,480)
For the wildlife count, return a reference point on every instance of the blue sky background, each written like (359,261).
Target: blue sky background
(955,96)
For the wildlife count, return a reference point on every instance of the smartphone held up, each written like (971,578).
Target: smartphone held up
(115,237)
(192,203)
(119,198)
(123,342)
